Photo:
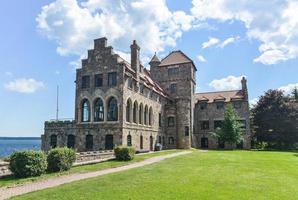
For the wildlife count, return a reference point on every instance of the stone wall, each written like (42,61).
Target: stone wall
(4,170)
(85,157)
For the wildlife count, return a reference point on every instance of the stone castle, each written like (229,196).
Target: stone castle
(121,103)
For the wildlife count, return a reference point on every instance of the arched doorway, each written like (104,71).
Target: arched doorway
(204,143)
(151,143)
(71,140)
(109,144)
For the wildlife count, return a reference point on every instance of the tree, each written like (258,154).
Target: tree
(275,120)
(295,93)
(231,131)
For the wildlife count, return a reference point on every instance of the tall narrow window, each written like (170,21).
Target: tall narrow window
(98,80)
(128,109)
(85,111)
(150,116)
(112,79)
(112,109)
(98,110)
(129,140)
(89,142)
(53,141)
(141,142)
(159,119)
(171,140)
(129,83)
(85,82)
(186,130)
(135,112)
(71,139)
(145,115)
(171,121)
(141,114)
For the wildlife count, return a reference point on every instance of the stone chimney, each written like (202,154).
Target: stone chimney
(135,57)
(244,87)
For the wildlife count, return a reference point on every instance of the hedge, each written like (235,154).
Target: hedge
(27,163)
(124,153)
(60,159)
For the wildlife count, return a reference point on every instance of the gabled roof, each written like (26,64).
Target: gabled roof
(175,57)
(225,96)
(154,59)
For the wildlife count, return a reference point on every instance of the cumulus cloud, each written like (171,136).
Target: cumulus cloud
(24,85)
(211,42)
(227,83)
(277,30)
(229,40)
(288,88)
(74,24)
(201,58)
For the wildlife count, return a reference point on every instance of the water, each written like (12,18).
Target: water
(9,145)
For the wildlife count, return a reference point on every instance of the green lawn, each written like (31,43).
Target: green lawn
(10,180)
(200,175)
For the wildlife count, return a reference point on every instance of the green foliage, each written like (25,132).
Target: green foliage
(28,163)
(231,131)
(295,93)
(275,120)
(124,153)
(60,159)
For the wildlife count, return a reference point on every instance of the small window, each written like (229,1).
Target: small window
(98,80)
(130,83)
(186,130)
(218,124)
(129,140)
(171,140)
(53,141)
(112,79)
(203,105)
(173,88)
(159,119)
(204,125)
(173,71)
(237,104)
(85,82)
(142,89)
(89,142)
(220,105)
(171,121)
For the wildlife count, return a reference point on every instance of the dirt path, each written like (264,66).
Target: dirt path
(6,193)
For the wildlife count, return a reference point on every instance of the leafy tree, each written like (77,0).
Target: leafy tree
(275,120)
(295,93)
(231,131)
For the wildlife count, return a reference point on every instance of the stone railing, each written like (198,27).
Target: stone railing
(4,170)
(93,156)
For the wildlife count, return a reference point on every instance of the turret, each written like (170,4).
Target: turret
(135,57)
(154,62)
(244,87)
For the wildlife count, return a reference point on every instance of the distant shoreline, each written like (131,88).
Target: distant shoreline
(20,138)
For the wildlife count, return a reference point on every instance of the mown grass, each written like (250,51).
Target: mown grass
(10,180)
(239,175)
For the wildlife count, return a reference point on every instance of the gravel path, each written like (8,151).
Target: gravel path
(6,193)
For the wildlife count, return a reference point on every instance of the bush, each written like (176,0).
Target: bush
(60,159)
(124,153)
(28,163)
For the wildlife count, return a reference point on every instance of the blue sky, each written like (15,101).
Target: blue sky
(43,41)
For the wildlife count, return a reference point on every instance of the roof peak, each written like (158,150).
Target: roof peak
(154,59)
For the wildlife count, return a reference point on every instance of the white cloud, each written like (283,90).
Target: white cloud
(229,40)
(227,83)
(288,88)
(201,58)
(24,85)
(211,42)
(277,30)
(74,25)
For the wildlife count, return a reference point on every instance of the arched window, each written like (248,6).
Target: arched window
(128,109)
(141,114)
(85,111)
(112,109)
(150,116)
(141,142)
(53,141)
(146,115)
(129,140)
(151,143)
(135,112)
(98,110)
(71,140)
(89,142)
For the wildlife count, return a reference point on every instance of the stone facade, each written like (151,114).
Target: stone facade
(118,103)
